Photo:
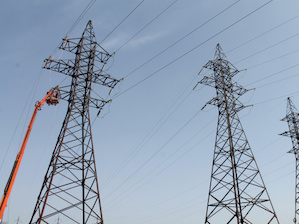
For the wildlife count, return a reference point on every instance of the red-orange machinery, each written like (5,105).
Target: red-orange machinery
(52,98)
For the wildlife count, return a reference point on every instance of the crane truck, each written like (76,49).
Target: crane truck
(52,98)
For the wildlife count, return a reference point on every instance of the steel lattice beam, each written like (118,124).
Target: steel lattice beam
(70,188)
(292,118)
(237,193)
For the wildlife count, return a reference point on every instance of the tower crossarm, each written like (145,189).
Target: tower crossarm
(288,133)
(234,90)
(68,67)
(71,45)
(105,79)
(62,66)
(221,64)
(238,89)
(98,104)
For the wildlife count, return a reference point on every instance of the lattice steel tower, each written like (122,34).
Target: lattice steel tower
(292,118)
(237,193)
(70,189)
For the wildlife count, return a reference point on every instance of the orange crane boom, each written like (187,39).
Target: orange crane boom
(52,98)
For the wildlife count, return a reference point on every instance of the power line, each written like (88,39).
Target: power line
(156,17)
(276,98)
(273,59)
(262,34)
(80,17)
(276,73)
(176,60)
(267,48)
(188,34)
(280,80)
(122,21)
(194,48)
(30,97)
(166,167)
(90,4)
(152,132)
(156,152)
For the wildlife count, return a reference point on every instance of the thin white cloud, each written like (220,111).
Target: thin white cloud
(134,43)
(115,42)
(145,39)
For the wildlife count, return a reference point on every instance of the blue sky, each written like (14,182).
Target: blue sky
(158,121)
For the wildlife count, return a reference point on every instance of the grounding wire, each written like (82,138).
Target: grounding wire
(156,17)
(182,38)
(194,48)
(122,21)
(281,24)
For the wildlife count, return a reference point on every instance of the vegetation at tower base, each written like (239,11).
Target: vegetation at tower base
(70,188)
(292,118)
(237,193)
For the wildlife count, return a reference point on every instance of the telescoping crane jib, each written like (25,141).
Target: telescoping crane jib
(52,98)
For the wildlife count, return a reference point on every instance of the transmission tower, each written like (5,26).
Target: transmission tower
(70,187)
(237,193)
(292,118)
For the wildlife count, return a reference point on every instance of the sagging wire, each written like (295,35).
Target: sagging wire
(118,88)
(244,74)
(111,56)
(109,104)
